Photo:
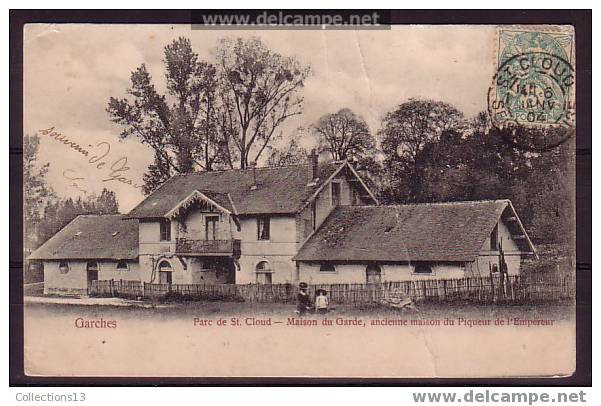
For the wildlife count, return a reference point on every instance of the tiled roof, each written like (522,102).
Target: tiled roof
(93,237)
(280,190)
(420,232)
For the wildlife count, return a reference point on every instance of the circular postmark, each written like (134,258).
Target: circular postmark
(531,100)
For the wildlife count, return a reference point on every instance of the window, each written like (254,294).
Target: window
(165,266)
(122,266)
(92,271)
(423,268)
(263,228)
(165,272)
(373,273)
(335,193)
(263,273)
(63,267)
(494,238)
(264,278)
(211,227)
(327,267)
(313,215)
(263,266)
(354,197)
(165,230)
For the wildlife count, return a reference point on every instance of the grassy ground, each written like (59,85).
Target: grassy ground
(228,309)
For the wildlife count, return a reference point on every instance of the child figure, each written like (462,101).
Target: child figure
(321,301)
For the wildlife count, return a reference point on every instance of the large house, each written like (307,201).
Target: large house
(316,222)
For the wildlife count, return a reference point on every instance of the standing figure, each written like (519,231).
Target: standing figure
(321,301)
(304,303)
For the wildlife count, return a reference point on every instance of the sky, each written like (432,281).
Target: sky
(71,71)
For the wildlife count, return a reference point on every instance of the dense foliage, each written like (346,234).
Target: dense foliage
(44,213)
(221,115)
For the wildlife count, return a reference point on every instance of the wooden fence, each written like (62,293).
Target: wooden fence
(512,289)
(116,288)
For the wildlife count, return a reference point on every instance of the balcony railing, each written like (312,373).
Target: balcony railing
(207,247)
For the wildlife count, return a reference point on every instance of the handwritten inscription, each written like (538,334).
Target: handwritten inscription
(99,158)
(72,176)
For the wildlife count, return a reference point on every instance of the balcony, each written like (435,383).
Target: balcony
(208,247)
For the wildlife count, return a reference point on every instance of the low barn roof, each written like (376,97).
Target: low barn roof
(92,237)
(420,232)
(280,190)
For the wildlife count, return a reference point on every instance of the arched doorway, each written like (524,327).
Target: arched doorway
(165,272)
(92,271)
(263,271)
(373,273)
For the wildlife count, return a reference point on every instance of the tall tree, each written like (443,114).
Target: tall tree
(404,133)
(36,192)
(482,163)
(344,135)
(179,126)
(293,154)
(107,203)
(158,172)
(59,213)
(259,91)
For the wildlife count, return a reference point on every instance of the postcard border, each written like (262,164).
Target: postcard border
(580,19)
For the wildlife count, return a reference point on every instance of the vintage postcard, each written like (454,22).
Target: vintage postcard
(392,202)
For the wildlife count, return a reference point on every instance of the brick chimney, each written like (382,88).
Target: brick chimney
(253,165)
(312,172)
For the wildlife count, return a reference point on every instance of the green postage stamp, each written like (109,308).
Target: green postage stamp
(534,84)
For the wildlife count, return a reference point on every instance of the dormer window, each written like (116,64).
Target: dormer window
(165,230)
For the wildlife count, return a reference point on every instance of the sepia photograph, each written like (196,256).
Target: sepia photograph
(391,201)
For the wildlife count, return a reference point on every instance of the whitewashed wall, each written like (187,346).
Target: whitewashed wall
(149,262)
(108,270)
(356,273)
(150,235)
(278,251)
(487,257)
(76,280)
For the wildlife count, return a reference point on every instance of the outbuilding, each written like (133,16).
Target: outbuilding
(91,247)
(372,244)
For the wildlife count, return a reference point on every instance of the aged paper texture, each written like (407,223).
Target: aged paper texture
(379,203)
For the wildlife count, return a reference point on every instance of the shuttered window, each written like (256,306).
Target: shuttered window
(165,230)
(263,228)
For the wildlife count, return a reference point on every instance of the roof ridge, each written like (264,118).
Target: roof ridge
(250,169)
(422,232)
(100,215)
(211,191)
(461,202)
